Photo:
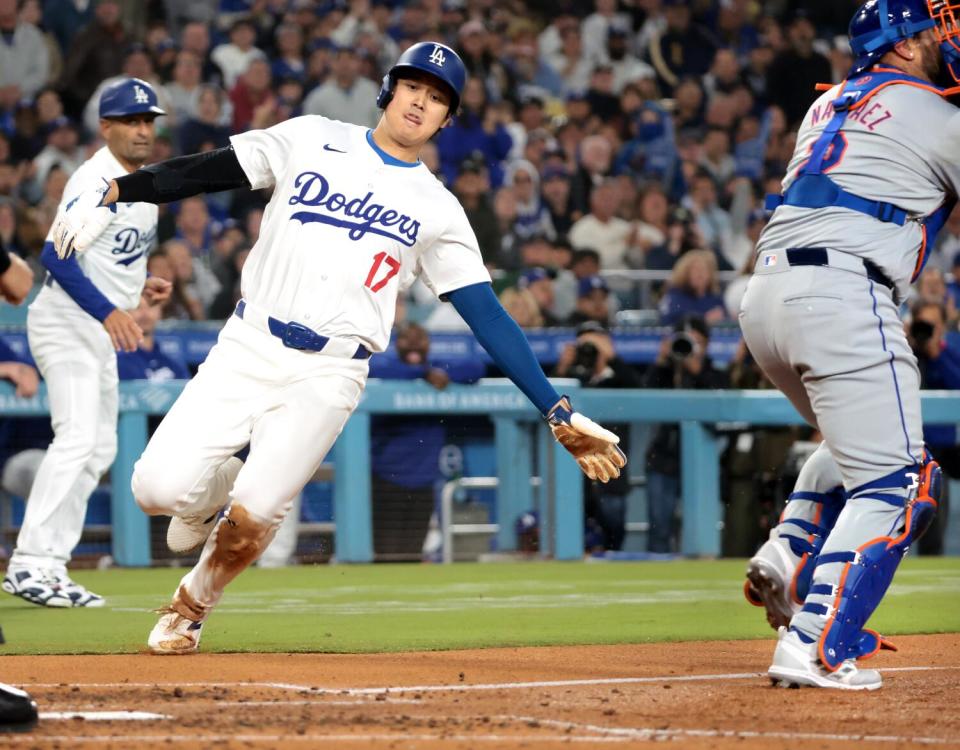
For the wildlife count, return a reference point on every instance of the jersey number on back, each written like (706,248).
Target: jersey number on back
(832,156)
(393,268)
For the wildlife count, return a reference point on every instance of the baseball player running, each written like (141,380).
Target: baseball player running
(354,218)
(875,173)
(75,326)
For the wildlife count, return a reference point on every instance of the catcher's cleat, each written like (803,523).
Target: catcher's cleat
(795,664)
(18,712)
(48,588)
(186,533)
(768,586)
(174,634)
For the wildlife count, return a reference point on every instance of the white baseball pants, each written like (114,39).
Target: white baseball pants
(76,358)
(288,404)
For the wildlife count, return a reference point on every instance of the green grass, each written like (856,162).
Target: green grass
(411,607)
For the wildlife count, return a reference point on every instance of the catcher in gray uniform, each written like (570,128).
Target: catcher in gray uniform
(875,173)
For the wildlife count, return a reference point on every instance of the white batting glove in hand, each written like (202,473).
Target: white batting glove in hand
(81,221)
(594,447)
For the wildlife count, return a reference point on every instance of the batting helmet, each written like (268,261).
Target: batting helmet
(131,96)
(436,59)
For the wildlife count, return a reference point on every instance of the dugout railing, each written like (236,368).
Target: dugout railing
(518,457)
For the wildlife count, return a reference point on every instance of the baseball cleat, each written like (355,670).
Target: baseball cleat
(18,712)
(174,634)
(186,533)
(48,588)
(795,664)
(768,586)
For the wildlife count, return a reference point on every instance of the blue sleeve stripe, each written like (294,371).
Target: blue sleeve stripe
(504,341)
(68,274)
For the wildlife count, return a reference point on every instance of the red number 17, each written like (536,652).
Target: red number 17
(393,268)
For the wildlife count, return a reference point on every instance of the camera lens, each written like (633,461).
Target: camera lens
(681,346)
(921,331)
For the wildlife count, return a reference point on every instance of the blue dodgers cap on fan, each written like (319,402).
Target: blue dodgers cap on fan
(130,96)
(533,275)
(588,284)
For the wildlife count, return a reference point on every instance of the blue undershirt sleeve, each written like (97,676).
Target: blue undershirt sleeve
(504,341)
(68,274)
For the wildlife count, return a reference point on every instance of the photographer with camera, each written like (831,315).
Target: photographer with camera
(593,360)
(682,362)
(939,364)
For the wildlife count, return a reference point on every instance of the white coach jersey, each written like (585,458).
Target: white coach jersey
(902,147)
(347,228)
(116,263)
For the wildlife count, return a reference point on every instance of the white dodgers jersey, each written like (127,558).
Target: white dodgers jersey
(902,147)
(116,263)
(347,228)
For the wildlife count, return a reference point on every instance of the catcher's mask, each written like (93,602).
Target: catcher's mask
(879,24)
(944,13)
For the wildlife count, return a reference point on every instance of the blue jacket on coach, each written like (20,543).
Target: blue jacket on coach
(406,450)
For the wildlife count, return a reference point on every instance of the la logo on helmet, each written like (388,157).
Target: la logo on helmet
(140,95)
(437,57)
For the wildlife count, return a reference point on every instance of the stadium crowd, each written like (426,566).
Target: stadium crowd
(612,156)
(595,139)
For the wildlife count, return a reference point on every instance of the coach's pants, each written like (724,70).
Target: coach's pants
(832,341)
(288,405)
(77,360)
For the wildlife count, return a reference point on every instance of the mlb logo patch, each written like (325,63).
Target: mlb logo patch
(769,259)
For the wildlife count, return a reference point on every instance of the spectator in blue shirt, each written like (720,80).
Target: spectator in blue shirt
(953,286)
(149,362)
(938,357)
(476,129)
(694,290)
(405,451)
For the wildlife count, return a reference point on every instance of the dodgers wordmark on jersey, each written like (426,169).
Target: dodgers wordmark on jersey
(352,226)
(903,148)
(116,263)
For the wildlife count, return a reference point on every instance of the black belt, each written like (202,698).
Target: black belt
(817,256)
(297,336)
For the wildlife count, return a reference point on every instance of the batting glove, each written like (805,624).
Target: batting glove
(81,221)
(594,447)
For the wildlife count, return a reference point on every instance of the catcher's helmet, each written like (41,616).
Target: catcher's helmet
(433,58)
(131,96)
(879,24)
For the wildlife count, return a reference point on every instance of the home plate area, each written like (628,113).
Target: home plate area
(700,695)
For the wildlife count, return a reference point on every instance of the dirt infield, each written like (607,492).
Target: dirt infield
(700,695)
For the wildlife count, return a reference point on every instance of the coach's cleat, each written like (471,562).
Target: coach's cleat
(18,712)
(186,533)
(48,588)
(174,634)
(795,664)
(768,585)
